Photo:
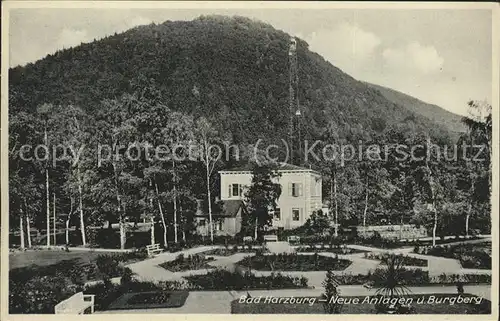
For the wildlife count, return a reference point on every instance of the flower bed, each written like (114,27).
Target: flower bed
(107,294)
(192,262)
(294,262)
(149,300)
(336,249)
(414,277)
(407,260)
(225,280)
(235,249)
(471,256)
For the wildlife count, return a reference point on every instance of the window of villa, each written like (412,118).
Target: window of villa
(235,190)
(296,214)
(295,189)
(277,214)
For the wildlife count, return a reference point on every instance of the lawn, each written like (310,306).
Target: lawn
(51,257)
(294,262)
(150,300)
(363,308)
(192,262)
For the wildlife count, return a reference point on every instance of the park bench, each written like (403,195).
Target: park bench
(293,239)
(271,238)
(368,285)
(76,304)
(247,239)
(153,249)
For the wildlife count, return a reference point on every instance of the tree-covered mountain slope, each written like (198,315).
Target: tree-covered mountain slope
(234,71)
(449,120)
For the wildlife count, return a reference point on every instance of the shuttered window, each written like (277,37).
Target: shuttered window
(295,189)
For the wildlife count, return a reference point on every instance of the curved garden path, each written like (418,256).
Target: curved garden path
(148,270)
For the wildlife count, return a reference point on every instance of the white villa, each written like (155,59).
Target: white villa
(301,192)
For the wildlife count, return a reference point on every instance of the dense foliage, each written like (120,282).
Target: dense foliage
(217,80)
(471,256)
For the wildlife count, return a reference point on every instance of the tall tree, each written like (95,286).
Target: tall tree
(44,111)
(477,163)
(207,138)
(179,134)
(262,196)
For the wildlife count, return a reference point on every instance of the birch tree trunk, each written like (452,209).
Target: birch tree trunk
(336,205)
(48,205)
(175,201)
(433,196)
(209,201)
(152,216)
(434,228)
(366,208)
(255,233)
(120,214)
(153,230)
(183,223)
(331,200)
(54,218)
(469,209)
(68,219)
(162,217)
(80,194)
(47,195)
(467,217)
(28,227)
(123,238)
(21,228)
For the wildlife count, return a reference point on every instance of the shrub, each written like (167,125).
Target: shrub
(126,276)
(476,256)
(331,291)
(39,294)
(107,265)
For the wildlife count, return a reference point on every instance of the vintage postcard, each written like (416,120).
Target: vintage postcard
(293,159)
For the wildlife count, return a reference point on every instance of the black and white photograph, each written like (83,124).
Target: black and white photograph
(278,158)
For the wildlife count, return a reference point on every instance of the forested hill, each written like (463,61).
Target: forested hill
(449,120)
(232,70)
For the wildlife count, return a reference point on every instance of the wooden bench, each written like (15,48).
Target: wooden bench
(247,239)
(76,304)
(271,238)
(153,249)
(293,239)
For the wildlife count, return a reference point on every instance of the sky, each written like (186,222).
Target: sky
(443,57)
